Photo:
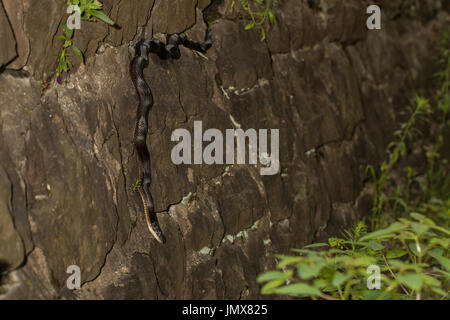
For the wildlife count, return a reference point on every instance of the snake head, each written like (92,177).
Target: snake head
(157,233)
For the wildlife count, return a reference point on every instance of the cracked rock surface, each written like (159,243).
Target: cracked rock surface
(7,40)
(68,167)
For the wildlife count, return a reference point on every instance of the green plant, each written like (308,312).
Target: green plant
(88,10)
(434,183)
(134,187)
(412,255)
(410,235)
(64,63)
(395,150)
(260,16)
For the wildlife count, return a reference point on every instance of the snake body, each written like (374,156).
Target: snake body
(140,61)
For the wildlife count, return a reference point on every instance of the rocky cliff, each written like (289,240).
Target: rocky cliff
(68,167)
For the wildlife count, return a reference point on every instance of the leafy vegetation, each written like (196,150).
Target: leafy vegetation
(396,150)
(89,10)
(135,186)
(409,240)
(412,256)
(260,11)
(64,63)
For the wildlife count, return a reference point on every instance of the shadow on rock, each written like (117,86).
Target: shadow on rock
(4,266)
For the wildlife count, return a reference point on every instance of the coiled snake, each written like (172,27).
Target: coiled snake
(140,61)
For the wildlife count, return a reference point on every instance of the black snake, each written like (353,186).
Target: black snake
(164,51)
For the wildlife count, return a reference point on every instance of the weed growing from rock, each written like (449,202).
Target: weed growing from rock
(89,10)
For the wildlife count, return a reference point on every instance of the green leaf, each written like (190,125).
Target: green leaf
(418,249)
(445,262)
(411,280)
(436,251)
(401,202)
(417,216)
(250,25)
(269,287)
(83,6)
(287,260)
(304,251)
(439,291)
(59,69)
(396,253)
(67,31)
(419,228)
(375,246)
(315,245)
(375,295)
(201,55)
(272,17)
(339,278)
(94,5)
(336,242)
(320,283)
(272,275)
(430,281)
(263,34)
(308,271)
(78,53)
(62,66)
(101,16)
(299,289)
(370,169)
(385,233)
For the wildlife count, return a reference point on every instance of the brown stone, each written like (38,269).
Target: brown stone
(7,41)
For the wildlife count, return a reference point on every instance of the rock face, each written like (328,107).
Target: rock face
(7,41)
(67,169)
